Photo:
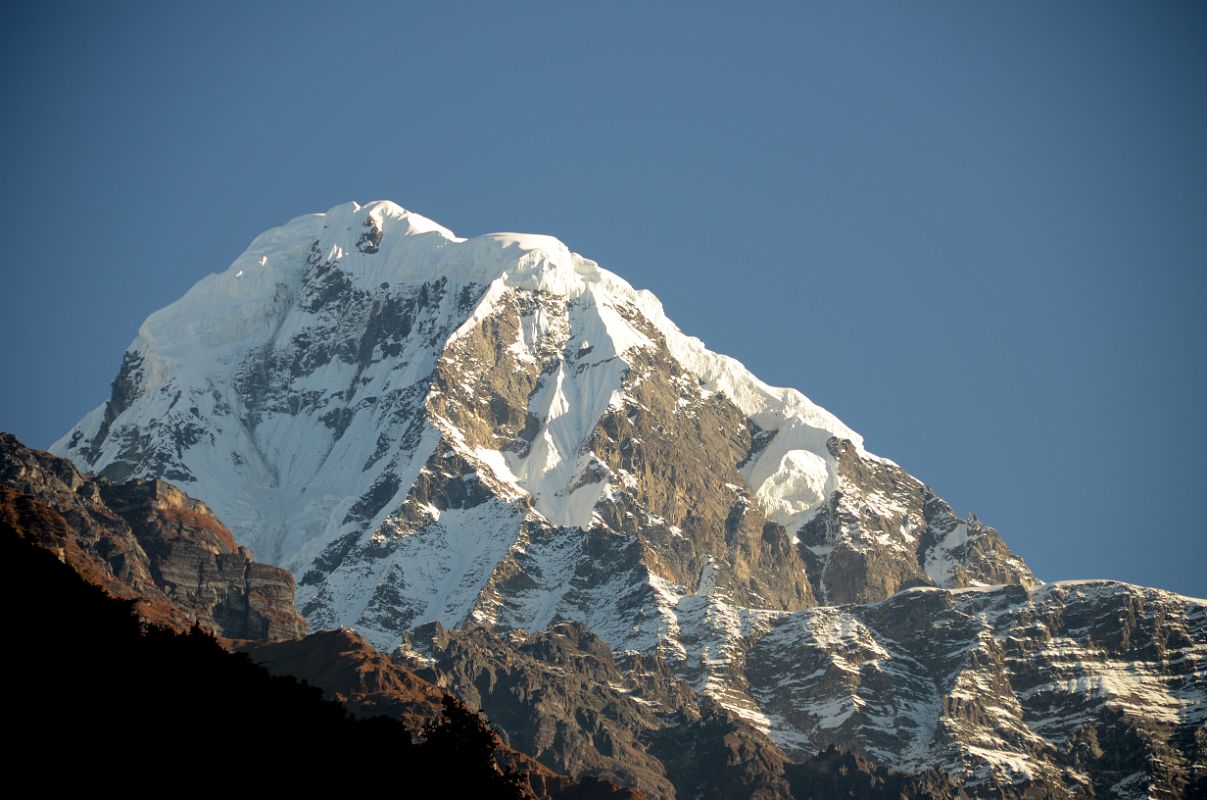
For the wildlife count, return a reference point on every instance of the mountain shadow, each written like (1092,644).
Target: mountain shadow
(97,696)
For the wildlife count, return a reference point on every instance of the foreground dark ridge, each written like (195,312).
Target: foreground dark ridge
(94,687)
(149,542)
(120,651)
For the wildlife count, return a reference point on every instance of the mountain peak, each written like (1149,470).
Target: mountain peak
(495,433)
(365,380)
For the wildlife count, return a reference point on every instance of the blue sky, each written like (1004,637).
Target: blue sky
(976,232)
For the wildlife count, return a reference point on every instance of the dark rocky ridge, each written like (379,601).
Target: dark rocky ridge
(368,684)
(147,540)
(102,693)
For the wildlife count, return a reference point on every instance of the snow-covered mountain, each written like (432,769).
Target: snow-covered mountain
(496,432)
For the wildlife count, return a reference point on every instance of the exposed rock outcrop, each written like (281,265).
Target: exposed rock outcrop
(146,540)
(368,683)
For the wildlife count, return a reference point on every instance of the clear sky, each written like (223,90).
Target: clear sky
(977,232)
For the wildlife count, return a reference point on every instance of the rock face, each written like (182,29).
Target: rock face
(1079,689)
(450,440)
(367,683)
(1070,689)
(147,540)
(349,669)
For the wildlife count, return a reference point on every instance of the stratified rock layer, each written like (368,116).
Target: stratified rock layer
(149,541)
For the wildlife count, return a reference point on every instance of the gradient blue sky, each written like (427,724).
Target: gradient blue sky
(977,232)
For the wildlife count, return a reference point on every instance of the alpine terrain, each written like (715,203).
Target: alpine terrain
(504,466)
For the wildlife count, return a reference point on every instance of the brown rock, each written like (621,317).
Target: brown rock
(368,683)
(147,541)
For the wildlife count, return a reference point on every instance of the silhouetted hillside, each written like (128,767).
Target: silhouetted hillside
(96,695)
